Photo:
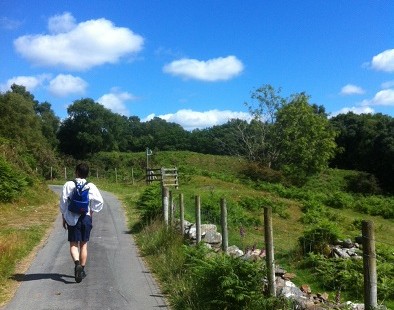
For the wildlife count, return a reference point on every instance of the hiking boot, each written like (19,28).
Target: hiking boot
(83,274)
(78,273)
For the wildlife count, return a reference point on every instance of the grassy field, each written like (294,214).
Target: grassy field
(212,178)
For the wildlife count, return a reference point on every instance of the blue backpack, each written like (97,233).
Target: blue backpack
(79,199)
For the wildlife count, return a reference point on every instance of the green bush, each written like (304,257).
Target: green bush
(376,205)
(12,181)
(318,238)
(362,183)
(315,212)
(150,204)
(339,200)
(223,282)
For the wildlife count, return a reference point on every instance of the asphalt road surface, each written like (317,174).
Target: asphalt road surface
(117,278)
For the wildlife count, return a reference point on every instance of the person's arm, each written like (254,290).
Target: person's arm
(63,205)
(64,222)
(96,200)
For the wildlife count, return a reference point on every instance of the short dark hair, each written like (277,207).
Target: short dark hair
(82,170)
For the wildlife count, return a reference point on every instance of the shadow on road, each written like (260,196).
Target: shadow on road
(20,277)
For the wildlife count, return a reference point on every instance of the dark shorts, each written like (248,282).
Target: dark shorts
(81,231)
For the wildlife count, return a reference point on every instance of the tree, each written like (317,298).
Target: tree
(90,128)
(367,144)
(303,138)
(49,122)
(257,137)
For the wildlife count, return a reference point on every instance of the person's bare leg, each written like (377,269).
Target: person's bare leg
(83,254)
(74,251)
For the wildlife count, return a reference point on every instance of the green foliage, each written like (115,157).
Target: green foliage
(150,203)
(317,238)
(12,181)
(376,205)
(304,139)
(340,200)
(314,213)
(363,183)
(224,282)
(345,275)
(367,143)
(257,204)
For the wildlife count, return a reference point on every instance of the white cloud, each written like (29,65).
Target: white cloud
(30,82)
(61,23)
(351,89)
(384,97)
(384,61)
(356,110)
(190,119)
(78,46)
(66,84)
(388,84)
(217,69)
(115,101)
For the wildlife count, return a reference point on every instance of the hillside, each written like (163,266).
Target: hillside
(324,201)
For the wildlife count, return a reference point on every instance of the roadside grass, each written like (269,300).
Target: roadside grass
(23,225)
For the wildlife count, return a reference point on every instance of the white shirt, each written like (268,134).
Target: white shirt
(96,201)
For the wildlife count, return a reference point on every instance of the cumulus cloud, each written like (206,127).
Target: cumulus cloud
(115,101)
(384,61)
(384,97)
(355,110)
(61,23)
(66,84)
(190,119)
(351,89)
(217,69)
(30,82)
(78,46)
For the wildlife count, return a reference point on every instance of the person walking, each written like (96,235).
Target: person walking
(79,225)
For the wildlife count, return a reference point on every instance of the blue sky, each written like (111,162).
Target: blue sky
(196,62)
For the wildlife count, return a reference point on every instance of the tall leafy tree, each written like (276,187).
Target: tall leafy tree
(304,139)
(257,137)
(90,128)
(21,129)
(49,122)
(367,144)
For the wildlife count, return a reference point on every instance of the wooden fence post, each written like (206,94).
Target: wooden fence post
(198,219)
(165,194)
(369,264)
(223,207)
(182,213)
(171,209)
(65,173)
(269,247)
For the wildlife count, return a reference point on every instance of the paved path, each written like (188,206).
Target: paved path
(116,276)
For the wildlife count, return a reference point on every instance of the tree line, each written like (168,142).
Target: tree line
(290,135)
